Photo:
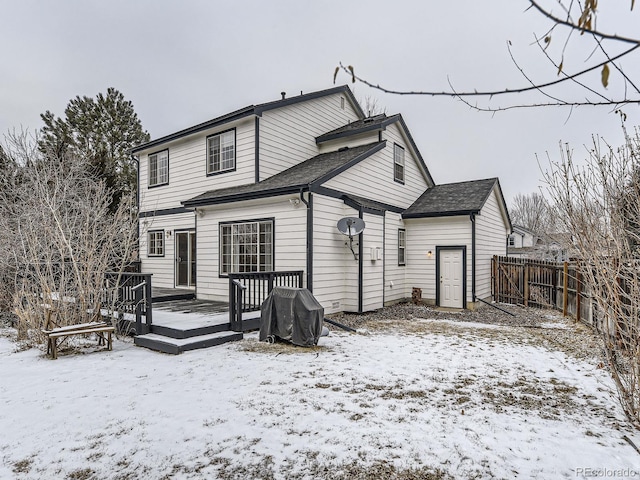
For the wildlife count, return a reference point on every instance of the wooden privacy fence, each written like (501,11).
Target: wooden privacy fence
(541,284)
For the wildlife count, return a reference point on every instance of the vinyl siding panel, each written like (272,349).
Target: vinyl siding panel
(163,268)
(289,240)
(372,271)
(423,235)
(335,271)
(188,169)
(395,275)
(373,177)
(287,134)
(491,238)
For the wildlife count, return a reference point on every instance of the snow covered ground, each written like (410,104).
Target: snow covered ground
(440,398)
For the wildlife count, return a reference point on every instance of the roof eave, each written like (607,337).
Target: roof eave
(456,213)
(238,197)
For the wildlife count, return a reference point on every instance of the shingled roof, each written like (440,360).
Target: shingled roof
(450,199)
(377,122)
(316,170)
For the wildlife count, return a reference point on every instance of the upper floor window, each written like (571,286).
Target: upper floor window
(512,240)
(155,243)
(402,247)
(246,247)
(398,163)
(159,168)
(221,152)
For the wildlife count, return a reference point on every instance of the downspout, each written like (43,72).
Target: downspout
(473,256)
(360,266)
(309,205)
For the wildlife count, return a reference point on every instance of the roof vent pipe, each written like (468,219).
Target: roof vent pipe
(284,94)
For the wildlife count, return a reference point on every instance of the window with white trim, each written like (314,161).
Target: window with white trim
(398,163)
(155,243)
(246,247)
(402,247)
(159,168)
(512,240)
(221,152)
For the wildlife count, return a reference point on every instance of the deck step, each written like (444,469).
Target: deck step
(175,346)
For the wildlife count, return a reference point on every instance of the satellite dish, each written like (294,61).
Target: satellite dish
(351,226)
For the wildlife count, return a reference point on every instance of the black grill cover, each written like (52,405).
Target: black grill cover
(291,314)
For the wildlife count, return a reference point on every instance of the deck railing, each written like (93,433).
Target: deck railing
(247,291)
(129,294)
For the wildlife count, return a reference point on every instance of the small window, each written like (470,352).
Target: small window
(156,243)
(402,247)
(246,247)
(159,168)
(221,152)
(512,241)
(342,103)
(398,163)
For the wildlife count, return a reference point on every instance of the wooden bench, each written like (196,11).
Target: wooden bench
(62,333)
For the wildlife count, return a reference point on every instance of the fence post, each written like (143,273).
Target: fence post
(565,289)
(578,302)
(526,284)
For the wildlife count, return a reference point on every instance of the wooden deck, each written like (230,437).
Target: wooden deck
(180,325)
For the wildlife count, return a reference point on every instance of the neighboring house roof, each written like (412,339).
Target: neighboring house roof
(372,124)
(450,199)
(522,230)
(252,110)
(305,175)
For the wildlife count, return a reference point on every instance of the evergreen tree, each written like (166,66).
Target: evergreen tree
(102,131)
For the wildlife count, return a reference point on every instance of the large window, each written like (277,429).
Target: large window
(221,152)
(398,163)
(155,243)
(246,247)
(159,168)
(402,247)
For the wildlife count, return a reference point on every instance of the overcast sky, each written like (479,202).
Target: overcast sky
(185,62)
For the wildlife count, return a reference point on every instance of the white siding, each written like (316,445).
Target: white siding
(290,224)
(395,275)
(335,271)
(372,270)
(491,238)
(163,268)
(188,168)
(423,235)
(287,134)
(373,177)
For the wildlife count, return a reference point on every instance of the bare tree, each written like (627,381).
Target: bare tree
(532,212)
(599,204)
(59,236)
(575,23)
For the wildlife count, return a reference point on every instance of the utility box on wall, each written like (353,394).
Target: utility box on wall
(375,253)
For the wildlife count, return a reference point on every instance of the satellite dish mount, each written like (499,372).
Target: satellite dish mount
(351,226)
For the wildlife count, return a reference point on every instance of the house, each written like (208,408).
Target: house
(524,243)
(262,189)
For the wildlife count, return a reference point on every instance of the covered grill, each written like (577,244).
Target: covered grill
(291,314)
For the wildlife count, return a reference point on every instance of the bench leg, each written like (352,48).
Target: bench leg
(100,338)
(109,341)
(54,352)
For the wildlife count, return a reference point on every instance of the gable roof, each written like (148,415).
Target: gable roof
(252,110)
(373,124)
(462,198)
(302,176)
(377,122)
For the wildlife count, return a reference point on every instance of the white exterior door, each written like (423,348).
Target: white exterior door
(451,278)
